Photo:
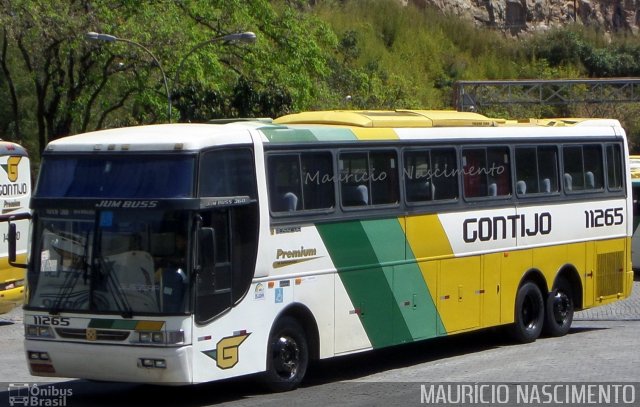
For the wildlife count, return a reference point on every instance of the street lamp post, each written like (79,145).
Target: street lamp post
(246,36)
(112,38)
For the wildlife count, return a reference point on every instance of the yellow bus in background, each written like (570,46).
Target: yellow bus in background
(15,192)
(634,170)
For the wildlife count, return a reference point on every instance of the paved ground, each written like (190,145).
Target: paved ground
(607,336)
(626,310)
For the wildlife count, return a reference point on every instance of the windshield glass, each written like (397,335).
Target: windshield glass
(122,261)
(123,176)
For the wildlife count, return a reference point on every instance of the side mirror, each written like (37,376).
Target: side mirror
(12,243)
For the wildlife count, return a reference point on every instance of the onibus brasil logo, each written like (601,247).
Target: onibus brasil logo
(23,394)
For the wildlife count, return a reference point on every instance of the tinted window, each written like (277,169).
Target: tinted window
(369,178)
(301,181)
(486,172)
(583,169)
(122,176)
(536,170)
(430,175)
(614,167)
(228,172)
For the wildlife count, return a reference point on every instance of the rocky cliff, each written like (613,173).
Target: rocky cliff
(518,16)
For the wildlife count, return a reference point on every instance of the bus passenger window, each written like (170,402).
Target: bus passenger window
(486,172)
(536,170)
(300,181)
(284,183)
(594,170)
(430,175)
(317,180)
(583,168)
(369,178)
(354,179)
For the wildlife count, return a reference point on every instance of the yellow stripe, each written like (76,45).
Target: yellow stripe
(427,237)
(149,325)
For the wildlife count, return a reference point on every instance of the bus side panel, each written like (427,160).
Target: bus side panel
(387,292)
(490,314)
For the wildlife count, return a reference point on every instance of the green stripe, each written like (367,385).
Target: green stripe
(333,134)
(371,259)
(416,311)
(364,254)
(287,135)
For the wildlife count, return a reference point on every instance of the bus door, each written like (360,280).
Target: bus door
(226,247)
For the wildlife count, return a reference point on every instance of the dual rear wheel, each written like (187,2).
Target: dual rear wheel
(534,314)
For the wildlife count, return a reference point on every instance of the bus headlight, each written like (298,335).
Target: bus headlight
(38,331)
(159,337)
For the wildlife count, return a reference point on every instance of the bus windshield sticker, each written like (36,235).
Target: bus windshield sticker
(106,219)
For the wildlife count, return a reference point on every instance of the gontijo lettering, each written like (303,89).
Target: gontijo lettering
(505,227)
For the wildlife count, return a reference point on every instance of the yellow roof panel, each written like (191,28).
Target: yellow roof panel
(389,118)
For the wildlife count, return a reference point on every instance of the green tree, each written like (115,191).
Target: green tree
(58,83)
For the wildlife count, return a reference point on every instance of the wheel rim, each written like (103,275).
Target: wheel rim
(530,312)
(561,307)
(286,357)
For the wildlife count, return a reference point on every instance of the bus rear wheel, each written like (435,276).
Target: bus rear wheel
(559,310)
(529,314)
(287,356)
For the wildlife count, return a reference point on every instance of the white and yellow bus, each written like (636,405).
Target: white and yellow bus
(188,253)
(15,192)
(634,171)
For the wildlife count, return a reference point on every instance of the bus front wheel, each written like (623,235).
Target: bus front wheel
(287,356)
(559,310)
(529,314)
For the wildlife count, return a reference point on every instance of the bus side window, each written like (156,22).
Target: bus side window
(300,181)
(284,183)
(614,167)
(228,172)
(430,175)
(593,167)
(317,180)
(486,172)
(369,178)
(536,170)
(547,160)
(583,168)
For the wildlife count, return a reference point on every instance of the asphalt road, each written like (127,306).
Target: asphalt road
(601,349)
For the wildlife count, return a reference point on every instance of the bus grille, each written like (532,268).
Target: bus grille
(101,334)
(610,274)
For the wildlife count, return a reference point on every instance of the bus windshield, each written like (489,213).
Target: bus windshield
(107,176)
(116,261)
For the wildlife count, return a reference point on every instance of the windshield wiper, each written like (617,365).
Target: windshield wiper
(115,288)
(71,277)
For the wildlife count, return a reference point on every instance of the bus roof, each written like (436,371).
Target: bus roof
(424,118)
(9,148)
(157,137)
(329,126)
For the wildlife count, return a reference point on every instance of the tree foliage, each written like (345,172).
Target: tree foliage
(330,54)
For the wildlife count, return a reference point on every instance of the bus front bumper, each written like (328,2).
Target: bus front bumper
(132,364)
